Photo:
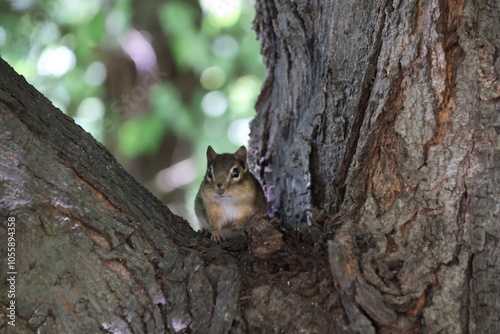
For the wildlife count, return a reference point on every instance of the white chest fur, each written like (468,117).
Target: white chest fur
(229,211)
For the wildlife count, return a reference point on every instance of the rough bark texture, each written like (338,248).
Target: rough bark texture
(96,252)
(385,115)
(382,114)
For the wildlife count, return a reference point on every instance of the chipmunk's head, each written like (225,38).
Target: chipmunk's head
(226,171)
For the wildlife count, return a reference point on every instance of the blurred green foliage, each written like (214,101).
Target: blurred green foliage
(60,47)
(55,45)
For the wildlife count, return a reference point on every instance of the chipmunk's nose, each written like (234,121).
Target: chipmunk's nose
(220,190)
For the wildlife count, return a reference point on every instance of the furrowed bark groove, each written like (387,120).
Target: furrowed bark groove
(392,129)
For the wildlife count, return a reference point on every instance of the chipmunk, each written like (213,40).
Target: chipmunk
(229,195)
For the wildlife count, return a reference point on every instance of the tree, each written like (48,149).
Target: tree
(383,114)
(381,134)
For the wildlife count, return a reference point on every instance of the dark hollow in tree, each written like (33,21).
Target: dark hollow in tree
(378,124)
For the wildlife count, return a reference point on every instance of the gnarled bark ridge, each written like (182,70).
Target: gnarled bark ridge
(384,115)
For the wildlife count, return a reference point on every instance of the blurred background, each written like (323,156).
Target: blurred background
(154,81)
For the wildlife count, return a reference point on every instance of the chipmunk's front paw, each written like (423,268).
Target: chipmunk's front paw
(204,232)
(237,226)
(217,236)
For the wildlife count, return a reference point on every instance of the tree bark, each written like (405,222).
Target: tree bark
(91,250)
(377,124)
(384,114)
(95,251)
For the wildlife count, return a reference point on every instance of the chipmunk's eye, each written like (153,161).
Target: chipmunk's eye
(209,174)
(235,173)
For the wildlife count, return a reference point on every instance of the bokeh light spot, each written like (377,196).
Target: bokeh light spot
(95,74)
(212,78)
(90,115)
(225,46)
(214,104)
(56,61)
(239,131)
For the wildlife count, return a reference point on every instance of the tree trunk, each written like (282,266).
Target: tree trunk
(87,249)
(385,115)
(380,114)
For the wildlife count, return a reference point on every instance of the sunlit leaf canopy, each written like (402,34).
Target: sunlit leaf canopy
(61,46)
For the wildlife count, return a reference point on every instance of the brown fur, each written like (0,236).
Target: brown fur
(225,204)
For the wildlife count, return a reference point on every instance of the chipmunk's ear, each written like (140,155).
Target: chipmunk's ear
(211,154)
(241,156)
